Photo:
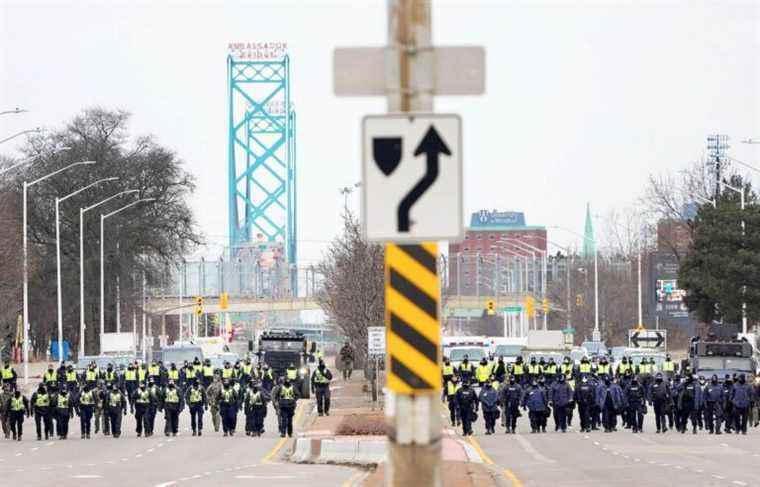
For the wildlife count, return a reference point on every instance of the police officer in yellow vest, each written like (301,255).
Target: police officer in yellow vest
(18,407)
(669,368)
(8,375)
(173,375)
(72,382)
(42,416)
(130,384)
(584,369)
(50,376)
(116,406)
(142,400)
(172,407)
(624,367)
(85,406)
(246,369)
(518,370)
(227,371)
(288,397)
(207,373)
(63,409)
(197,402)
(534,370)
(110,377)
(466,370)
(448,373)
(320,385)
(604,368)
(255,410)
(483,372)
(91,375)
(154,372)
(450,389)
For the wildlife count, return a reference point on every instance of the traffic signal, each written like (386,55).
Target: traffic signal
(579,300)
(530,306)
(491,307)
(199,301)
(224,301)
(545,305)
(198,311)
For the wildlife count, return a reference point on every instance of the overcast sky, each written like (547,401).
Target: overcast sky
(584,99)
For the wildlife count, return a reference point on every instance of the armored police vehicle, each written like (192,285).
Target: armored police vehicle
(722,353)
(280,348)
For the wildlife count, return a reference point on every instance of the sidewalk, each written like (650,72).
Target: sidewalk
(354,434)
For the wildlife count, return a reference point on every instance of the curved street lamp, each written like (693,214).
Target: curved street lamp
(58,202)
(30,131)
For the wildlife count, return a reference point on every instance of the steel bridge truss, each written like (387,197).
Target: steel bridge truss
(262,156)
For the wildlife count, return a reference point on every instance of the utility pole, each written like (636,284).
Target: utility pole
(409,71)
(414,454)
(717,145)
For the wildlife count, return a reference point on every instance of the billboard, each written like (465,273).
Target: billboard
(667,298)
(494,218)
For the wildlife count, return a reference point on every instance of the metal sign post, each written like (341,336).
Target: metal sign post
(409,72)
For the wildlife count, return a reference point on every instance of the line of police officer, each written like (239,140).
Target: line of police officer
(105,396)
(600,393)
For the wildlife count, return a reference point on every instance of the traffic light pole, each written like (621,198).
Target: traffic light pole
(414,440)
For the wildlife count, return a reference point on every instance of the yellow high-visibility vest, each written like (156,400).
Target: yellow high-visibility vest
(71,376)
(517,369)
(623,368)
(17,403)
(42,401)
(288,393)
(172,396)
(585,368)
(551,369)
(448,370)
(91,375)
(320,378)
(141,374)
(482,373)
(63,401)
(208,371)
(86,399)
(7,372)
(668,366)
(195,396)
(174,374)
(154,370)
(603,369)
(247,369)
(226,373)
(452,388)
(292,374)
(51,376)
(534,369)
(130,375)
(143,397)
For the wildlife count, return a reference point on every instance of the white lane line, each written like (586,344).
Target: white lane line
(637,459)
(138,455)
(34,449)
(86,477)
(19,454)
(724,444)
(678,467)
(206,473)
(159,445)
(596,443)
(699,471)
(719,477)
(739,482)
(532,451)
(89,464)
(169,440)
(166,484)
(50,444)
(150,450)
(266,477)
(125,459)
(651,462)
(197,476)
(184,479)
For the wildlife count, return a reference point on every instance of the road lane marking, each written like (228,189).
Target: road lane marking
(739,482)
(86,477)
(166,484)
(34,449)
(50,444)
(138,455)
(150,450)
(719,477)
(266,477)
(274,451)
(19,454)
(532,451)
(507,472)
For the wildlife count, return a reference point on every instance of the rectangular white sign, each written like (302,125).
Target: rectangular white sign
(376,340)
(412,178)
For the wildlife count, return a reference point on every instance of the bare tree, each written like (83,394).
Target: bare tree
(353,284)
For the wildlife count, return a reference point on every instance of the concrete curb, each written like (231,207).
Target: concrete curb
(340,450)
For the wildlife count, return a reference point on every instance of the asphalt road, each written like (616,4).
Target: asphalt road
(160,461)
(621,458)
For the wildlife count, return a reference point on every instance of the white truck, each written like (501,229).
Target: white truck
(545,344)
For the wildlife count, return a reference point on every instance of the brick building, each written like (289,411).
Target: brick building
(495,243)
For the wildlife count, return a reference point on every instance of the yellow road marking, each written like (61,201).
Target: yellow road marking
(507,472)
(281,442)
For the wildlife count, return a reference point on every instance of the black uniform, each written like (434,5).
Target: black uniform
(467,401)
(660,398)
(320,384)
(510,397)
(85,405)
(17,408)
(197,402)
(116,406)
(42,415)
(288,398)
(63,408)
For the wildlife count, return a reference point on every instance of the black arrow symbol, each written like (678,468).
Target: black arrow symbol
(635,339)
(432,145)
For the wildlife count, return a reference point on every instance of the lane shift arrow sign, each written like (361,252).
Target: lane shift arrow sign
(431,145)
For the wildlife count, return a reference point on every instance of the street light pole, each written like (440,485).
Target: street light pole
(102,264)
(25,246)
(744,288)
(30,131)
(82,211)
(14,111)
(597,334)
(59,292)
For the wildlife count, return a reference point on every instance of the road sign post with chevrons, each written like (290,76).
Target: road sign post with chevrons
(412,304)
(415,71)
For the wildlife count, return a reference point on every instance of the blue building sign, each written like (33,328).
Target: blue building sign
(493,218)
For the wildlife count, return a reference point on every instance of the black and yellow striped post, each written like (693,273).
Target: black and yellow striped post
(412,301)
(413,350)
